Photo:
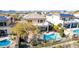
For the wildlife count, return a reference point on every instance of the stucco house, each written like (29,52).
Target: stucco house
(67,17)
(4,26)
(54,19)
(59,18)
(37,20)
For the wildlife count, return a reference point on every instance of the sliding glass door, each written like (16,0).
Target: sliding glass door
(3,33)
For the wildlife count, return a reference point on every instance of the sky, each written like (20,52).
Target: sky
(39,4)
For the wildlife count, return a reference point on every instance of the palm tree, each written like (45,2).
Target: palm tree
(55,27)
(25,29)
(58,28)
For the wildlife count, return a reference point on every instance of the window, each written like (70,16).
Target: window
(74,25)
(5,24)
(42,29)
(40,21)
(67,19)
(63,19)
(29,20)
(3,32)
(67,25)
(2,23)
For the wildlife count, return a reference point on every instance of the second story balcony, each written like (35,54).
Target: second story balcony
(3,24)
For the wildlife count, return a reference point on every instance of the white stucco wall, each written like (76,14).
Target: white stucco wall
(76,15)
(55,19)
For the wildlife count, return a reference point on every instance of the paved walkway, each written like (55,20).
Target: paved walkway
(63,43)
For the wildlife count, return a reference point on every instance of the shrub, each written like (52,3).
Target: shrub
(54,42)
(78,41)
(59,46)
(61,32)
(34,42)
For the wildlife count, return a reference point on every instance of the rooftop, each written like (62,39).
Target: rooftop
(33,16)
(66,15)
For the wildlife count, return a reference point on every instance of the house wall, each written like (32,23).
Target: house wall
(36,21)
(54,19)
(7,27)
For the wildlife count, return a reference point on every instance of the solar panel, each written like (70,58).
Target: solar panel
(66,15)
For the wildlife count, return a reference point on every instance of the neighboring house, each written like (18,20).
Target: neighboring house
(71,24)
(67,17)
(59,18)
(68,22)
(71,28)
(4,26)
(37,20)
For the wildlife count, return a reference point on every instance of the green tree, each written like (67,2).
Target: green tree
(23,29)
(55,27)
(58,28)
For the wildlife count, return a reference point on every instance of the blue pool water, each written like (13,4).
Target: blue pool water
(51,37)
(76,31)
(5,43)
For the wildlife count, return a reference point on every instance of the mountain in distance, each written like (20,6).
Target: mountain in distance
(9,11)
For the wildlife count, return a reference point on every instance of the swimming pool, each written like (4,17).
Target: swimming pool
(76,31)
(5,43)
(51,37)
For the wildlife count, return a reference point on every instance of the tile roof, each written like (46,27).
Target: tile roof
(33,16)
